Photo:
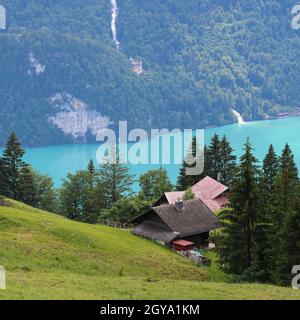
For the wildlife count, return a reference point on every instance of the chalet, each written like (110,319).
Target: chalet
(181,226)
(213,193)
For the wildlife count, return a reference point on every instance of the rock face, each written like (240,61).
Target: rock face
(74,117)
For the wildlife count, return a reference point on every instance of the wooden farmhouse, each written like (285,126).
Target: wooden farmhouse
(181,226)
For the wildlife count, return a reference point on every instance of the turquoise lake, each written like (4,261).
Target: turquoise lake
(57,161)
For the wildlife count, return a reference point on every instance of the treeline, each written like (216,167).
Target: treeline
(259,239)
(218,160)
(20,182)
(91,195)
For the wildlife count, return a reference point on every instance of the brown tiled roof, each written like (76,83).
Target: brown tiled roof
(195,217)
(167,223)
(154,231)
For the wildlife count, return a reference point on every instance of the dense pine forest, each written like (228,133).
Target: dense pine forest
(200,58)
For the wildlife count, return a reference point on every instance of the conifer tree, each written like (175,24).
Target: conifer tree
(184,180)
(270,169)
(261,271)
(214,152)
(290,255)
(240,221)
(12,165)
(28,187)
(1,178)
(288,177)
(205,172)
(114,178)
(227,162)
(283,207)
(285,185)
(91,168)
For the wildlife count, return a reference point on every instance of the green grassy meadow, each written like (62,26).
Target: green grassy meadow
(49,257)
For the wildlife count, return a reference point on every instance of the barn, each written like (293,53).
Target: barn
(182,225)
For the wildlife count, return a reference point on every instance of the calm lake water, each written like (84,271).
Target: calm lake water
(57,161)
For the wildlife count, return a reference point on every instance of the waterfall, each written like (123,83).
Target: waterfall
(114,16)
(238,117)
(2,18)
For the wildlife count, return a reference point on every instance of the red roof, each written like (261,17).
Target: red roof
(183,243)
(209,189)
(172,197)
(216,204)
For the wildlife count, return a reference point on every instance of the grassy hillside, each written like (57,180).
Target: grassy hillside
(49,257)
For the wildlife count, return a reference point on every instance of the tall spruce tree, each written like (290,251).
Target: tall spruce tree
(1,178)
(263,262)
(91,168)
(290,255)
(283,207)
(285,185)
(214,154)
(12,166)
(184,180)
(28,187)
(240,221)
(114,178)
(288,177)
(227,162)
(270,170)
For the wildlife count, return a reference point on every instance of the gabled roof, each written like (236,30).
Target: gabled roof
(172,197)
(217,204)
(155,231)
(209,189)
(194,218)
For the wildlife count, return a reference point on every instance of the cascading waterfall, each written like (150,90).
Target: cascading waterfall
(238,117)
(114,16)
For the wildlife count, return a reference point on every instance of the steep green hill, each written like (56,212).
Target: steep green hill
(60,69)
(49,257)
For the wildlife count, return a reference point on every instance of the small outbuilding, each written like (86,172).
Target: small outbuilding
(182,245)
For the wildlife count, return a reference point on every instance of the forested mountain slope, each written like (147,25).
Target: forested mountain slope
(63,78)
